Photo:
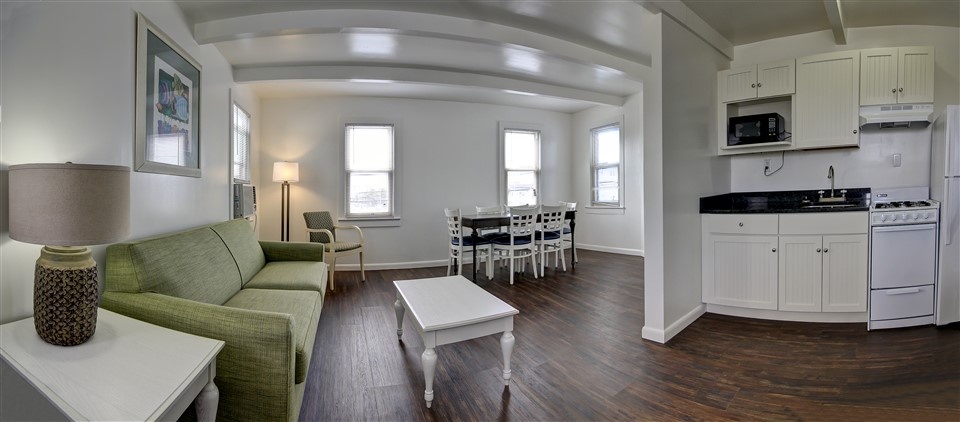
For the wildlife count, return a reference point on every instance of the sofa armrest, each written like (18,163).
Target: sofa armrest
(255,369)
(292,251)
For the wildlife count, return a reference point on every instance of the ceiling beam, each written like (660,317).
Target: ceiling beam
(835,16)
(690,20)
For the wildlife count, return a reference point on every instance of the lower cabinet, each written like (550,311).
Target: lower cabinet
(801,263)
(823,273)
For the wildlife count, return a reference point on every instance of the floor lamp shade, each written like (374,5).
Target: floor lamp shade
(67,207)
(286,172)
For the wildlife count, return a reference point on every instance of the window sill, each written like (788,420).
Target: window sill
(605,210)
(372,221)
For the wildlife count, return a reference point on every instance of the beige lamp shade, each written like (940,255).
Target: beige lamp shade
(69,204)
(286,171)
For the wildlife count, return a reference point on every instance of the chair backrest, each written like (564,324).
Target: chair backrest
(523,220)
(551,218)
(571,206)
(497,209)
(320,220)
(454,229)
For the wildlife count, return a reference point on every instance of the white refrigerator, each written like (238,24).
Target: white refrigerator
(945,187)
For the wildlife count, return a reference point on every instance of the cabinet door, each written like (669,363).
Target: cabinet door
(800,273)
(845,273)
(878,76)
(915,75)
(827,101)
(777,78)
(740,271)
(738,84)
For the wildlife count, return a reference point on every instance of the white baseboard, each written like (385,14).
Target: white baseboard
(393,265)
(621,251)
(663,336)
(787,315)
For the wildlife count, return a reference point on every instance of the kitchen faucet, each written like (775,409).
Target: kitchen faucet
(831,198)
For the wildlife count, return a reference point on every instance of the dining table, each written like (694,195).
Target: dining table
(478,222)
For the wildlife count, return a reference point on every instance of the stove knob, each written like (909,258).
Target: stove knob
(894,218)
(903,217)
(883,217)
(913,216)
(926,215)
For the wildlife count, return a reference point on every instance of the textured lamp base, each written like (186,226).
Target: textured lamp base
(65,295)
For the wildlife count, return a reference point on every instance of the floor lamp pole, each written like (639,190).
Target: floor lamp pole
(285,212)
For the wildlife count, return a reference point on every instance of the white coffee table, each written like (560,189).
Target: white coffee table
(451,309)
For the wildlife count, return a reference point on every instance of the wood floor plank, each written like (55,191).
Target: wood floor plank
(579,356)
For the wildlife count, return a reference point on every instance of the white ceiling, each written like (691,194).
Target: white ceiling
(569,54)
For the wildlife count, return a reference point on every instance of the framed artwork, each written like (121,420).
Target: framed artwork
(167,105)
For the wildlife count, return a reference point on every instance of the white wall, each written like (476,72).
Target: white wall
(689,169)
(67,77)
(872,164)
(618,231)
(448,158)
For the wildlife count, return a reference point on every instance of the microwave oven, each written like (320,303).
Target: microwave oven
(755,129)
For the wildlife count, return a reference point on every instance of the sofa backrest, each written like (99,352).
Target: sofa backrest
(243,245)
(194,264)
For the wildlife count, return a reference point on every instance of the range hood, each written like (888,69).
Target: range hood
(896,115)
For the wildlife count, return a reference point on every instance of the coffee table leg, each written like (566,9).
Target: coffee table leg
(506,345)
(429,361)
(397,306)
(208,399)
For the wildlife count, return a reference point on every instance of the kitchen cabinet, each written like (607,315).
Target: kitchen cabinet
(758,81)
(797,262)
(740,260)
(896,75)
(827,101)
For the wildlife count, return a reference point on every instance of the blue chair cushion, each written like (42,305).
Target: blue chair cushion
(468,241)
(521,240)
(566,230)
(548,235)
(496,235)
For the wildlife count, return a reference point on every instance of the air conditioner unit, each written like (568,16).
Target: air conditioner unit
(244,200)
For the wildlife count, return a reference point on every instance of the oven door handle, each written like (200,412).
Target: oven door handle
(906,291)
(912,227)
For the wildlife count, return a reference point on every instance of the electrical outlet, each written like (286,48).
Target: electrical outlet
(766,164)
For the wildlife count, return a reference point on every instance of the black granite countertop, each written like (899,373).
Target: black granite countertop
(782,202)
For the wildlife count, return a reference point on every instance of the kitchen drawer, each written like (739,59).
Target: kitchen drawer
(824,223)
(905,302)
(740,223)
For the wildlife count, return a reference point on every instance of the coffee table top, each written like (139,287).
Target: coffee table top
(447,302)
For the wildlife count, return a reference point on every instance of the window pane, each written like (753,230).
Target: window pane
(608,195)
(520,150)
(521,188)
(241,144)
(369,193)
(608,176)
(369,148)
(608,145)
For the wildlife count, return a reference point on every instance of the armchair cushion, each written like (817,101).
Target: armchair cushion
(291,275)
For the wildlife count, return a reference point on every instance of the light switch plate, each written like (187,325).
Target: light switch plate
(897,160)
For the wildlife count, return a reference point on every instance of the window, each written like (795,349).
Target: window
(369,166)
(521,166)
(605,169)
(241,145)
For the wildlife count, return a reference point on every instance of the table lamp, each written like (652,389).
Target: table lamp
(67,207)
(286,172)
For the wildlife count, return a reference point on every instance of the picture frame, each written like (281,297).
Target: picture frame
(167,129)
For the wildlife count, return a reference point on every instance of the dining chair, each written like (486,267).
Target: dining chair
(519,244)
(568,232)
(320,229)
(549,239)
(461,245)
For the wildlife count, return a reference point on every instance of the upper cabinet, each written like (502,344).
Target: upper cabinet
(827,109)
(896,75)
(759,81)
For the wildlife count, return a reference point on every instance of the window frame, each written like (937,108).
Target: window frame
(503,128)
(392,217)
(595,166)
(248,165)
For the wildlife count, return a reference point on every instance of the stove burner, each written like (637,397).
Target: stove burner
(902,204)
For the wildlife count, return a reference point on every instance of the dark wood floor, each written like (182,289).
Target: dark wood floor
(579,356)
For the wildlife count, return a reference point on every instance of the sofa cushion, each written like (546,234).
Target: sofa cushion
(192,265)
(291,275)
(242,243)
(303,306)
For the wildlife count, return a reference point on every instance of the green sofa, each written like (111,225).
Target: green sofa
(262,298)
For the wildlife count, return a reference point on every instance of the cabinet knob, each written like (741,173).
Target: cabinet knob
(825,250)
(773,250)
(759,84)
(901,89)
(894,91)
(818,250)
(741,224)
(753,85)
(854,131)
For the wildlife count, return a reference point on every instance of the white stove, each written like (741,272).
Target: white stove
(903,257)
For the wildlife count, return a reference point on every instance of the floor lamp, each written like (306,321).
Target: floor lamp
(285,172)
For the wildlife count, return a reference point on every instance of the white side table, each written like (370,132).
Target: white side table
(451,309)
(129,370)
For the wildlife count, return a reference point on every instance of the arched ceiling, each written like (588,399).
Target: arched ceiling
(563,56)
